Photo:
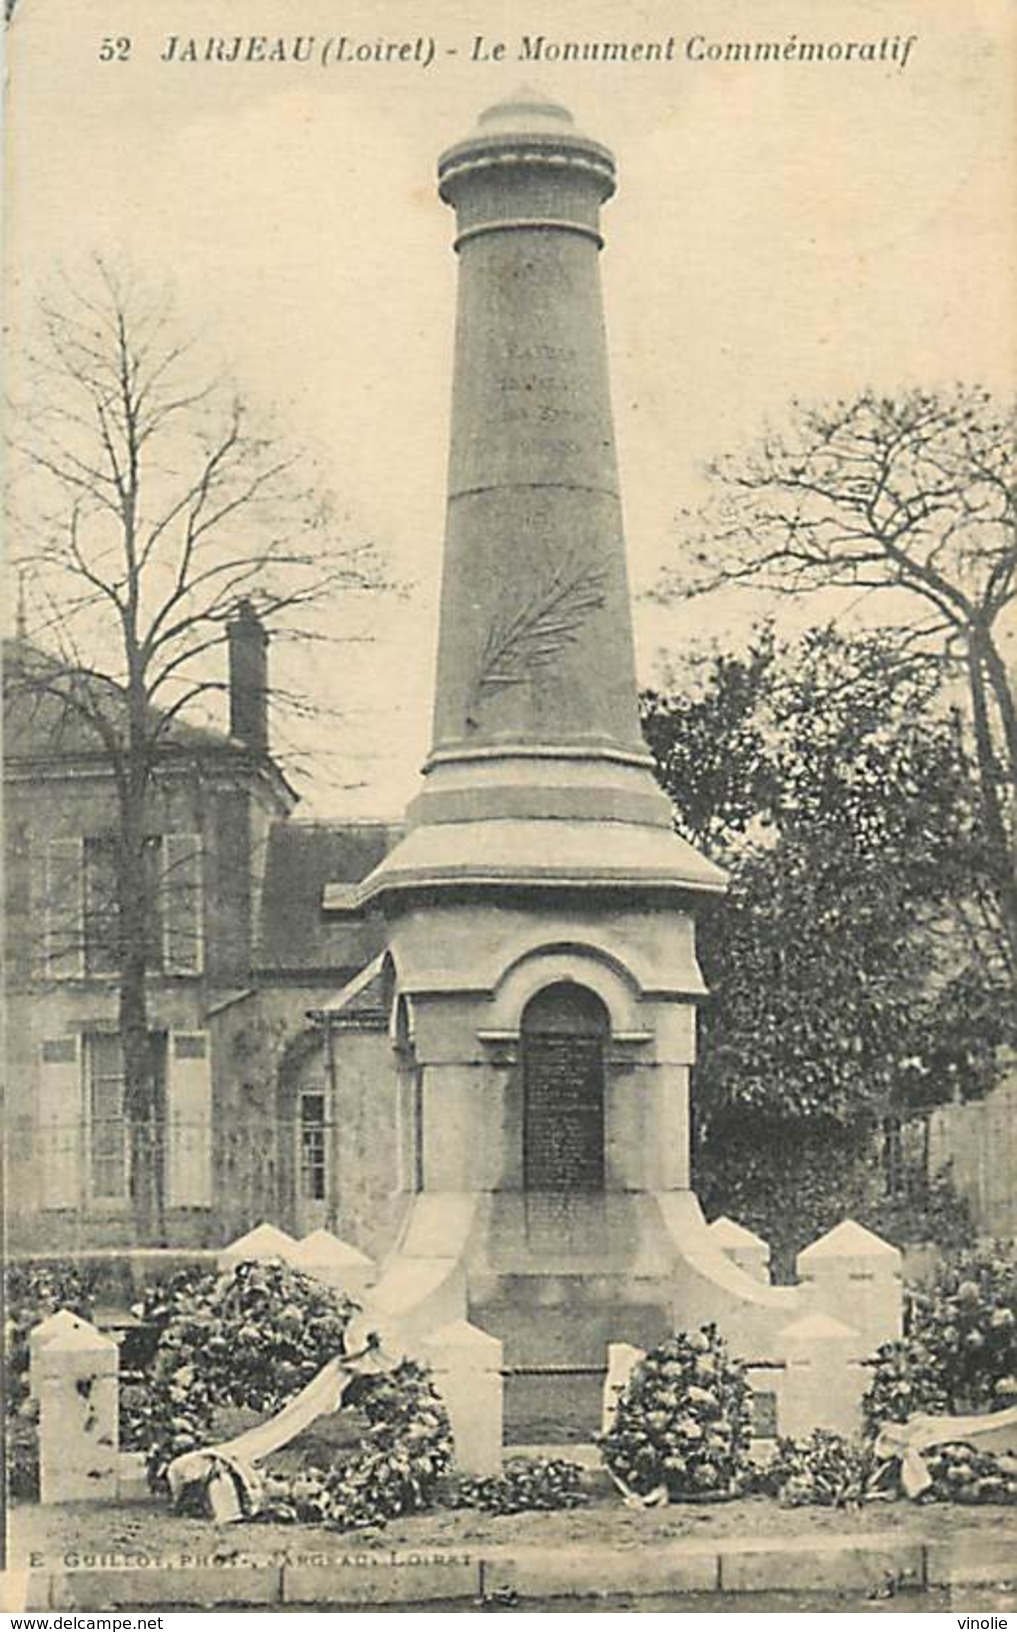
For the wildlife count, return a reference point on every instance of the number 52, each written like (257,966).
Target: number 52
(115,50)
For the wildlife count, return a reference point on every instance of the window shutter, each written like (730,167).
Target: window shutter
(182,903)
(63,908)
(188,1120)
(59,1122)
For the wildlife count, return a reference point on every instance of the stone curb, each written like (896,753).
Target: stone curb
(866,1563)
(959,1563)
(878,1563)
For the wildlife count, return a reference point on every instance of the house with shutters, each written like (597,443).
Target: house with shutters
(254,1116)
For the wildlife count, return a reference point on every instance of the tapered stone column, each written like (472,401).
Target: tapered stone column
(535,713)
(536,643)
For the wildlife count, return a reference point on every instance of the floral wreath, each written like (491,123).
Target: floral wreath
(254,1337)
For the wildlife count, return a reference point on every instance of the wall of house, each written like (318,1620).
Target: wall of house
(36,812)
(268,1052)
(228,886)
(50,1202)
(373,1192)
(245,1136)
(240,1053)
(39,1217)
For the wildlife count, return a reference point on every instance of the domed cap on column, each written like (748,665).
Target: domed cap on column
(526,127)
(528,111)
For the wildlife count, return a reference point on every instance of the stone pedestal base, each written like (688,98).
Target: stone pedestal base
(558,1278)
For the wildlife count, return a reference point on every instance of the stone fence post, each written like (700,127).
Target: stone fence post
(853,1275)
(335,1263)
(466,1364)
(823,1380)
(746,1249)
(261,1244)
(622,1360)
(39,1336)
(78,1416)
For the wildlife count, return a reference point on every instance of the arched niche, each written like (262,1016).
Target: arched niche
(564,1032)
(580,965)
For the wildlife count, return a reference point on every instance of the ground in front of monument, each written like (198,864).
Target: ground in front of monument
(84,1530)
(748,1553)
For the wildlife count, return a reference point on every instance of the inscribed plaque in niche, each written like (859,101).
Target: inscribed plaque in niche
(563,1122)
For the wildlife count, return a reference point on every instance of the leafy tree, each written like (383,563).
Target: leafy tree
(148,505)
(911,502)
(849,971)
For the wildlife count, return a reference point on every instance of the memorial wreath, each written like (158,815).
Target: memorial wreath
(253,1339)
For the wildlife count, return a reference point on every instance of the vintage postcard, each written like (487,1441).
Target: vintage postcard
(510,762)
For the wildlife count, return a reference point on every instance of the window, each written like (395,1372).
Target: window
(82,909)
(101,909)
(764,1413)
(84,1142)
(312,1146)
(893,1157)
(107,1125)
(101,870)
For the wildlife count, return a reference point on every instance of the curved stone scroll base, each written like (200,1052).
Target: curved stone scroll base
(420,1305)
(709,1286)
(422,1285)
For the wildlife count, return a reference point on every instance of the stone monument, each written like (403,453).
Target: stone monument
(540,908)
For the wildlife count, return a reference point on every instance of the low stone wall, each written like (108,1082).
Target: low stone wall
(806,1368)
(807,1364)
(116,1276)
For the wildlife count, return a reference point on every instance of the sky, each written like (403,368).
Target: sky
(780,229)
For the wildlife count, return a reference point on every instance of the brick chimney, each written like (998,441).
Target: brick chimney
(248,660)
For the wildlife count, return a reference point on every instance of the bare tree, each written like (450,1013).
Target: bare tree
(147,506)
(910,499)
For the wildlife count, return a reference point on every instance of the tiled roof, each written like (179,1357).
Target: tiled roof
(302,858)
(364,999)
(41,726)
(40,723)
